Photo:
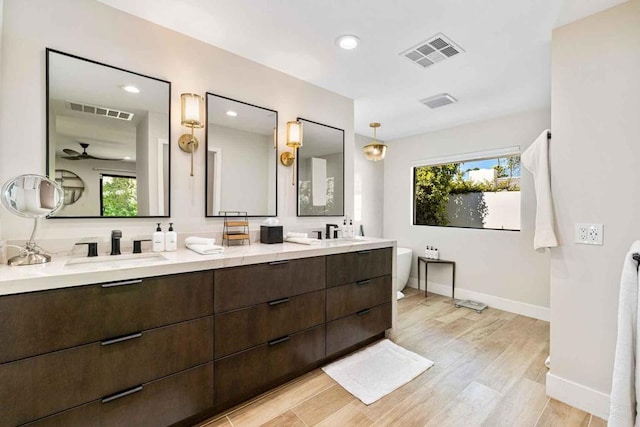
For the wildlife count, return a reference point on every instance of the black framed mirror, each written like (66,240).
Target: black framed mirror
(241,161)
(320,170)
(104,121)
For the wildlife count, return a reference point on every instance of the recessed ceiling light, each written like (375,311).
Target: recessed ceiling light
(130,89)
(127,158)
(348,42)
(231,113)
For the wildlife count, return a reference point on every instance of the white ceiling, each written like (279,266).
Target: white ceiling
(505,67)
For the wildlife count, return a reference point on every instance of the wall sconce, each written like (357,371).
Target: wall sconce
(294,140)
(376,150)
(192,117)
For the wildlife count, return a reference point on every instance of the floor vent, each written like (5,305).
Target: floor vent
(431,51)
(439,100)
(98,111)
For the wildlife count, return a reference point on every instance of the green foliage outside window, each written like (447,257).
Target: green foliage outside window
(434,184)
(119,196)
(432,188)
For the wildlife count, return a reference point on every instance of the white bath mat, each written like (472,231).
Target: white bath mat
(376,371)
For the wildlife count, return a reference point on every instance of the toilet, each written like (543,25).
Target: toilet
(403,263)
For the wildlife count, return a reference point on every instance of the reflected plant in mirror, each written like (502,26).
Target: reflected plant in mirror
(103,121)
(241,158)
(321,171)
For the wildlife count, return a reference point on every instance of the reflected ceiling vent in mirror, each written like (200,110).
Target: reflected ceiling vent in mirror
(439,100)
(98,111)
(431,51)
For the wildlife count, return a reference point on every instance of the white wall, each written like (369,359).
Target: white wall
(500,264)
(368,191)
(96,31)
(594,160)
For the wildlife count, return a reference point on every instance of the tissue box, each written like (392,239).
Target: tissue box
(270,234)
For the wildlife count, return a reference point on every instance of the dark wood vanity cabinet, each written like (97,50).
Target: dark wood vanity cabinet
(179,348)
(270,325)
(67,348)
(359,265)
(358,297)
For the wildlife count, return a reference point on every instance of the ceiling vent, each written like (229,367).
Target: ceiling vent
(98,111)
(436,49)
(439,100)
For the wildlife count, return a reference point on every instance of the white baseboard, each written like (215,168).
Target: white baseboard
(578,396)
(529,310)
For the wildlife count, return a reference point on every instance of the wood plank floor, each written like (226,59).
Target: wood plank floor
(489,371)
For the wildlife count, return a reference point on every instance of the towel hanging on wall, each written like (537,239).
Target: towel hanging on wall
(626,372)
(536,160)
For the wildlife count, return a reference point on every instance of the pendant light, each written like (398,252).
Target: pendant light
(376,150)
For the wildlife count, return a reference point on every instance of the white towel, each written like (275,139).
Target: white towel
(293,234)
(302,240)
(199,240)
(536,160)
(623,407)
(204,249)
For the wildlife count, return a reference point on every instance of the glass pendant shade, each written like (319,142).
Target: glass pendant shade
(376,150)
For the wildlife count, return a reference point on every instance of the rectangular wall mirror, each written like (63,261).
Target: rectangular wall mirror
(320,174)
(107,139)
(241,158)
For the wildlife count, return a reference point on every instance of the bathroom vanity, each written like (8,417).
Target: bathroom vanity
(179,340)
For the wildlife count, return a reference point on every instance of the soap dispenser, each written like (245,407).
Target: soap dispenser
(158,240)
(171,239)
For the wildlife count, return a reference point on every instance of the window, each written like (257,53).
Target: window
(479,193)
(118,195)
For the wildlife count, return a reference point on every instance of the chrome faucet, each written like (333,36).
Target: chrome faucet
(116,235)
(328,230)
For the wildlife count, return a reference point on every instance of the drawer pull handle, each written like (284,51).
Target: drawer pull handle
(121,394)
(363,312)
(279,340)
(365,252)
(121,339)
(122,283)
(363,282)
(279,301)
(284,261)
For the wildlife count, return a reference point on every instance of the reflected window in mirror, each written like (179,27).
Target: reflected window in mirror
(321,170)
(241,158)
(103,120)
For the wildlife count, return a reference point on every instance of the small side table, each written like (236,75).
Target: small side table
(428,261)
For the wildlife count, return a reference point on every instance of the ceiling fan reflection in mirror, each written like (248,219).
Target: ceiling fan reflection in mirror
(74,155)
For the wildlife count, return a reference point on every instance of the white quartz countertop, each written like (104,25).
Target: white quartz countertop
(59,273)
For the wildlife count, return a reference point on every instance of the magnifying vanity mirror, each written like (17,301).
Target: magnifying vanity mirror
(321,170)
(110,128)
(31,196)
(241,158)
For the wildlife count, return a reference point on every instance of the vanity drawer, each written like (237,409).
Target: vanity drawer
(239,287)
(42,385)
(242,329)
(348,299)
(41,322)
(158,403)
(350,330)
(360,265)
(243,375)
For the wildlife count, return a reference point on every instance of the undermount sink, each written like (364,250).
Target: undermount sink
(116,261)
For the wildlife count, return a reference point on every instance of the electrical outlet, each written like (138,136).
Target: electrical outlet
(589,234)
